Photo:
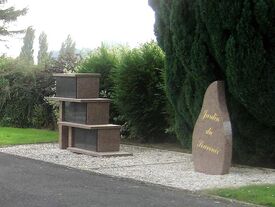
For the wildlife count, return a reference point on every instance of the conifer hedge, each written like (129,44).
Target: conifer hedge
(208,40)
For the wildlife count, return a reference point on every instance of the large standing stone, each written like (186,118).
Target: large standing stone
(212,135)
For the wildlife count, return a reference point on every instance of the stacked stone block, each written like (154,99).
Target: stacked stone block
(84,117)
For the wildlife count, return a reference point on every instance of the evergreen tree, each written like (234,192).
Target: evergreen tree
(26,53)
(208,40)
(9,15)
(67,58)
(43,55)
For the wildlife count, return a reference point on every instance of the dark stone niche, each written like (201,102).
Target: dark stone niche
(212,135)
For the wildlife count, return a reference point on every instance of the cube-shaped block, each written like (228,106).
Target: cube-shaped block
(77,85)
(108,140)
(94,112)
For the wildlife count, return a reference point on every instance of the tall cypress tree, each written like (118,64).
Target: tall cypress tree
(208,40)
(43,55)
(26,53)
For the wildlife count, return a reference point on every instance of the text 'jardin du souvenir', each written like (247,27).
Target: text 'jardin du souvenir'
(212,135)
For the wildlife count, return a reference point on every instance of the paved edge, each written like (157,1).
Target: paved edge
(195,193)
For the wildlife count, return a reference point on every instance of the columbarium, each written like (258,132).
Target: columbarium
(84,117)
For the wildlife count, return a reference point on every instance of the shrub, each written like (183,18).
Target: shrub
(138,91)
(22,102)
(102,60)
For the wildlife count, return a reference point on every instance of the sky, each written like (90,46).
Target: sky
(89,22)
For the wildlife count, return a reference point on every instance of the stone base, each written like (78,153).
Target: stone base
(98,138)
(99,154)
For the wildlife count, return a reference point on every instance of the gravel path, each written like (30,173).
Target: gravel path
(173,169)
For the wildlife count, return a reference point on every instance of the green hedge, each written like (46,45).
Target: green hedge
(139,94)
(22,91)
(226,40)
(102,60)
(133,80)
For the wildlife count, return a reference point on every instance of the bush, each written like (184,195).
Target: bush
(22,102)
(103,60)
(139,94)
(225,40)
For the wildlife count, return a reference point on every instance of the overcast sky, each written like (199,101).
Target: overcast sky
(89,22)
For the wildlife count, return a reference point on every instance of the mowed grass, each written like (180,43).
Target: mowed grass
(13,136)
(256,194)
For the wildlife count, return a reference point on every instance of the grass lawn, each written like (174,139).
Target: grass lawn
(12,136)
(256,194)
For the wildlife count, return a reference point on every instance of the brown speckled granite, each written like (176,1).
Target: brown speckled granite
(84,118)
(97,113)
(77,86)
(212,135)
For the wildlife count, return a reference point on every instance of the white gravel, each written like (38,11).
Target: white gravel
(168,168)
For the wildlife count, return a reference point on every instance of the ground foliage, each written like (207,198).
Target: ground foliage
(15,136)
(234,41)
(257,194)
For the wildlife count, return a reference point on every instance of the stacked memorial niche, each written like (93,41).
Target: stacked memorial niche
(77,85)
(84,118)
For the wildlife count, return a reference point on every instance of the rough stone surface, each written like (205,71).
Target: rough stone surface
(212,135)
(168,168)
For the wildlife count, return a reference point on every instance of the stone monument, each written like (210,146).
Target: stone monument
(84,118)
(212,135)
